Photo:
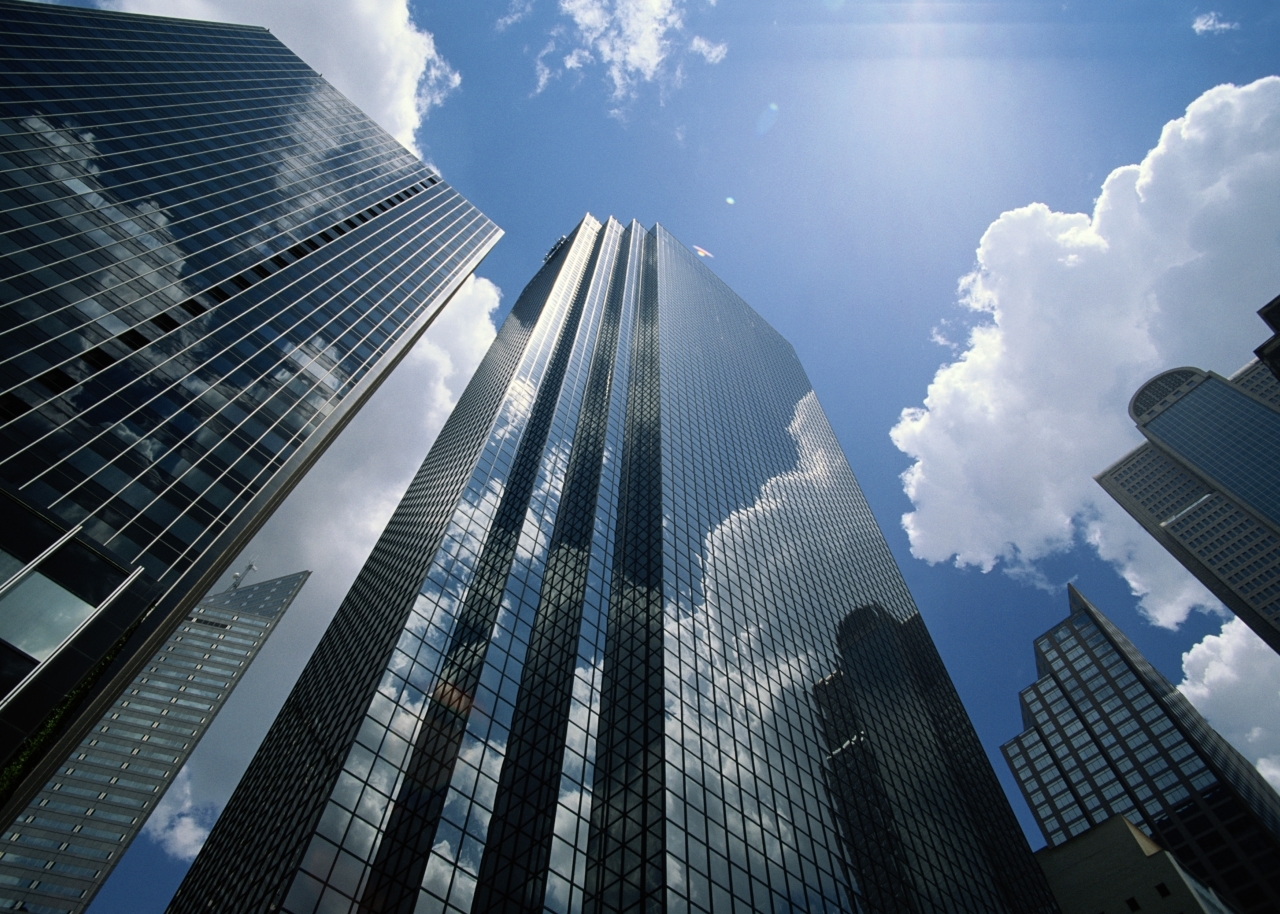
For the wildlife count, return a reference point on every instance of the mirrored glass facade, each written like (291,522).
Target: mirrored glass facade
(60,850)
(1108,735)
(209,258)
(1206,484)
(631,642)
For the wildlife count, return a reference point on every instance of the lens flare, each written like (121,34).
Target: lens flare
(702,252)
(768,117)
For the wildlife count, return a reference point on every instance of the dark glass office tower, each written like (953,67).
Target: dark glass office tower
(632,641)
(63,846)
(1269,352)
(1107,734)
(1206,484)
(208,260)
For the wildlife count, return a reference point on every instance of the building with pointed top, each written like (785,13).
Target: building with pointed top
(62,847)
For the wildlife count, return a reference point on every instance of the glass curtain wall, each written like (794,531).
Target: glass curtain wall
(583,669)
(209,258)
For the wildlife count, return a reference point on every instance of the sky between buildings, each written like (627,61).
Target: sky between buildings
(982,225)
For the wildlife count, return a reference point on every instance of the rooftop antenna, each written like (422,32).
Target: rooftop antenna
(238,578)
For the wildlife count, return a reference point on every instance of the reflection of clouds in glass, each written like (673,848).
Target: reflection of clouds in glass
(140,274)
(543,504)
(571,826)
(439,866)
(134,234)
(473,783)
(783,500)
(421,650)
(371,50)
(570,829)
(37,614)
(745,670)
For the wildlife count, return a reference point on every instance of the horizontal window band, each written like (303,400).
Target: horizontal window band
(58,381)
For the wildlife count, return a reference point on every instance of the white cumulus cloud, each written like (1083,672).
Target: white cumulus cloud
(178,823)
(1211,24)
(1074,312)
(634,40)
(631,37)
(516,12)
(1233,679)
(370,50)
(712,53)
(578,59)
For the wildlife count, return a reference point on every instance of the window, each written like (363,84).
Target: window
(1162,890)
(1133,904)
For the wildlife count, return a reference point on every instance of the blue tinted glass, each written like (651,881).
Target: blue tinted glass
(206,251)
(632,642)
(1230,437)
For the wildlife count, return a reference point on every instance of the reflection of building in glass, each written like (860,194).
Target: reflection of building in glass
(1206,483)
(577,672)
(62,847)
(208,260)
(1108,735)
(891,681)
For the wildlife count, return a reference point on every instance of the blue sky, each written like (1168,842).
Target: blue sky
(869,149)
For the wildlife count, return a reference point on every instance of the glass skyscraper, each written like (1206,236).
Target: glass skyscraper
(632,641)
(209,259)
(63,846)
(1206,484)
(1108,735)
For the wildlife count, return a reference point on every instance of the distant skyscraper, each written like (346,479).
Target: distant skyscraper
(1108,735)
(1206,484)
(632,641)
(63,846)
(209,259)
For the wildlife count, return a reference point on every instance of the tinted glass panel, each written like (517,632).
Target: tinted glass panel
(37,615)
(1229,436)
(632,642)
